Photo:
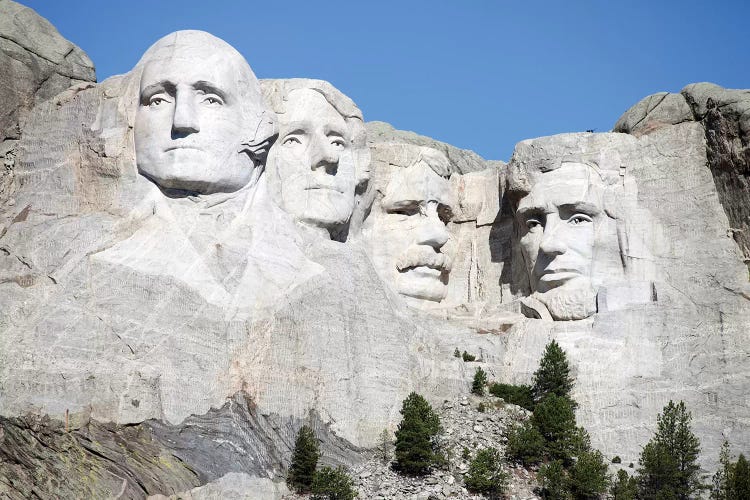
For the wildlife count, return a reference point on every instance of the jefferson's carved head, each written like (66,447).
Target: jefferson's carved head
(566,204)
(406,228)
(200,124)
(320,157)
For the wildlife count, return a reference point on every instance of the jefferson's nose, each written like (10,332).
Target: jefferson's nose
(185,119)
(432,230)
(553,239)
(324,155)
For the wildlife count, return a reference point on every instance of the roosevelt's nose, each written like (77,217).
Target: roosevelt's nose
(324,155)
(432,230)
(185,119)
(553,238)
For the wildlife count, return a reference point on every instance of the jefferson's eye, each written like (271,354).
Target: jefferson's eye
(578,219)
(291,141)
(338,142)
(212,99)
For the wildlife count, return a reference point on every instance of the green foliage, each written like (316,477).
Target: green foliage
(553,375)
(304,460)
(624,487)
(481,407)
(616,459)
(588,476)
(520,395)
(732,480)
(465,453)
(554,481)
(555,419)
(385,446)
(456,353)
(485,474)
(332,484)
(480,380)
(669,462)
(468,357)
(415,447)
(525,444)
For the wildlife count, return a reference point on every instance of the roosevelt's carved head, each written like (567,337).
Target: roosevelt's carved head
(200,124)
(406,228)
(567,197)
(320,157)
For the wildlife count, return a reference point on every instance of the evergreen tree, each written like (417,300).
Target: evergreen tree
(740,486)
(414,449)
(384,449)
(722,479)
(332,484)
(525,444)
(669,462)
(588,476)
(553,375)
(556,422)
(625,487)
(554,481)
(304,460)
(485,474)
(480,380)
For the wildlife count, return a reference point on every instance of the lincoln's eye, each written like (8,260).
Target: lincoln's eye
(533,224)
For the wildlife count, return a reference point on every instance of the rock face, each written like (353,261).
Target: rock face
(211,261)
(36,63)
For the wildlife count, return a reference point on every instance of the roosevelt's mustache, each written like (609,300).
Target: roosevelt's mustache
(423,255)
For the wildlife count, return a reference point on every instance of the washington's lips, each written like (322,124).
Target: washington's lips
(423,258)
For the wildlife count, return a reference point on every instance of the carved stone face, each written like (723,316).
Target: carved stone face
(559,222)
(409,231)
(313,161)
(189,120)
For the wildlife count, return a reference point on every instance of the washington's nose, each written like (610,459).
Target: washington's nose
(324,155)
(432,230)
(185,119)
(553,242)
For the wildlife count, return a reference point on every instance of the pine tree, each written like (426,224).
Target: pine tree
(332,484)
(555,419)
(740,487)
(414,449)
(722,479)
(553,375)
(588,476)
(304,460)
(624,487)
(385,446)
(485,474)
(554,481)
(480,380)
(669,462)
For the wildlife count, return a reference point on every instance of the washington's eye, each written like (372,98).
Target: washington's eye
(578,219)
(156,100)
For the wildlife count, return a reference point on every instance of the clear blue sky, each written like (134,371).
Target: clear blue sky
(481,75)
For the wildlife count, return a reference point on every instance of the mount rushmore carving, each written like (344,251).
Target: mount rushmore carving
(185,232)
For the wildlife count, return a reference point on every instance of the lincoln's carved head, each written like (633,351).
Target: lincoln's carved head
(320,157)
(566,205)
(406,228)
(200,123)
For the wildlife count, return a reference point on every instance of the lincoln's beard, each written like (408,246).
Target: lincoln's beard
(571,301)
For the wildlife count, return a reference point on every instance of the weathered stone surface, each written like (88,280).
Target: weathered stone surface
(214,314)
(36,63)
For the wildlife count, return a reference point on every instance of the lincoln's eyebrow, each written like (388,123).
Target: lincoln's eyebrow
(209,88)
(530,210)
(580,206)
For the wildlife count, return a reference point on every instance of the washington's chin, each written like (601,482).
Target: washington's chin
(423,283)
(188,171)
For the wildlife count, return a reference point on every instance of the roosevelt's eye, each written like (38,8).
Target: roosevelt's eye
(579,219)
(407,210)
(532,224)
